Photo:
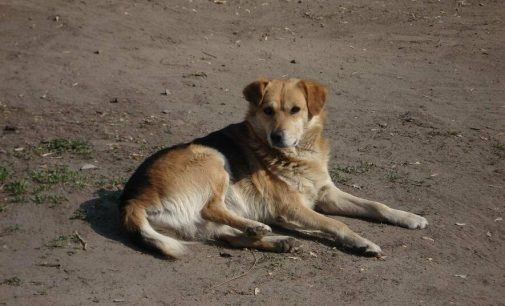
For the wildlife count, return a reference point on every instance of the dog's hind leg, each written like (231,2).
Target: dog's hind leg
(334,201)
(215,210)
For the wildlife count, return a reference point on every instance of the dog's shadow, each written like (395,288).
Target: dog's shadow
(102,214)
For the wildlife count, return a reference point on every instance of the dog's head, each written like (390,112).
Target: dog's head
(282,111)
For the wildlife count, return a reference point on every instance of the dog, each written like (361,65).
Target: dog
(270,169)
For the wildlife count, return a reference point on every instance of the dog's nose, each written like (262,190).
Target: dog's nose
(277,137)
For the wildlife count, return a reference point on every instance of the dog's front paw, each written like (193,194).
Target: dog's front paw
(258,230)
(361,245)
(413,221)
(370,249)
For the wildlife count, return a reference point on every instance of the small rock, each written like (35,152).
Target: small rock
(381,257)
(88,167)
(312,254)
(293,61)
(114,100)
(460,224)
(463,276)
(224,254)
(489,234)
(257,291)
(97,52)
(118,300)
(498,219)
(428,238)
(407,117)
(383,125)
(166,92)
(10,128)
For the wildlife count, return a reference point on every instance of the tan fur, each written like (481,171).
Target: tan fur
(276,173)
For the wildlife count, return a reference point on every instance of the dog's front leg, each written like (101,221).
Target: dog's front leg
(332,200)
(298,213)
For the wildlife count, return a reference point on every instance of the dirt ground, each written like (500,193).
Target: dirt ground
(415,116)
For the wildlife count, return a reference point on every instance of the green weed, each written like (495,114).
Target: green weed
(499,146)
(111,183)
(61,145)
(17,189)
(393,176)
(79,214)
(51,199)
(360,168)
(63,241)
(58,175)
(336,176)
(10,229)
(13,281)
(4,174)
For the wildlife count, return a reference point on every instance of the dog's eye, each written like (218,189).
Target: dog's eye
(268,111)
(294,110)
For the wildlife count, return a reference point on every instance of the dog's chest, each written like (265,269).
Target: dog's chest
(305,180)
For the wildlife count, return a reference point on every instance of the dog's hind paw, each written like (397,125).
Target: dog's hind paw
(258,230)
(280,244)
(287,245)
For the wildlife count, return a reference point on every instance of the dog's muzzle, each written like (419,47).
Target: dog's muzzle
(279,139)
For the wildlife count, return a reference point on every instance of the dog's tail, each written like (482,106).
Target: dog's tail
(134,221)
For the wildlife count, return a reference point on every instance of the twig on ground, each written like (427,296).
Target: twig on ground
(82,241)
(238,276)
(211,55)
(50,265)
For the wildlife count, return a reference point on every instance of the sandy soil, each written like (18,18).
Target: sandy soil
(415,116)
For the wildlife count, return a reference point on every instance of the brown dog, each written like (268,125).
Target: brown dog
(269,169)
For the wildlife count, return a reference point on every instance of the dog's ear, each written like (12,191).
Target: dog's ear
(254,92)
(315,94)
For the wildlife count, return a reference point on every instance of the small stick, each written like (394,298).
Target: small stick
(50,265)
(238,276)
(211,55)
(82,241)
